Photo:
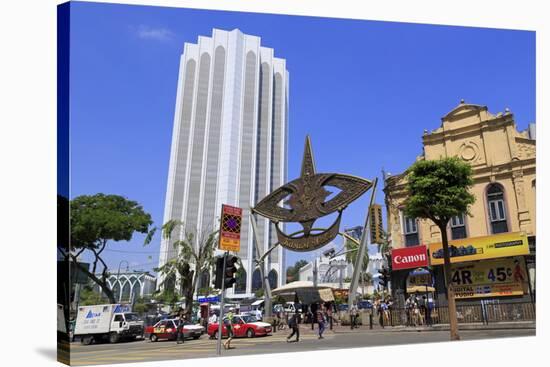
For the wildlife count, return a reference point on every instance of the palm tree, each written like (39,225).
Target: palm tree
(352,247)
(195,254)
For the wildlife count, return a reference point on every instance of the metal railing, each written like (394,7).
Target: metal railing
(466,314)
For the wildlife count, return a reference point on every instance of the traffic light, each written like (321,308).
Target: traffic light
(384,277)
(376,225)
(219,273)
(230,270)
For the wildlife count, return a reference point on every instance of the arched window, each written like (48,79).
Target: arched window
(136,292)
(125,292)
(256,280)
(272,276)
(240,284)
(497,209)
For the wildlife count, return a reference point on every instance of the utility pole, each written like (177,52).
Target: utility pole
(315,272)
(267,287)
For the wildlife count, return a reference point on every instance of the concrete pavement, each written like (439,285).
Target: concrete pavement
(340,337)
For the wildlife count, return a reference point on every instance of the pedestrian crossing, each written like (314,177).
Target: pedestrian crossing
(82,355)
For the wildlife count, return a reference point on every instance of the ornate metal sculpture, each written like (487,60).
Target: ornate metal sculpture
(305,198)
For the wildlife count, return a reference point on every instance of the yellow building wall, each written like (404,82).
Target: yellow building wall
(497,152)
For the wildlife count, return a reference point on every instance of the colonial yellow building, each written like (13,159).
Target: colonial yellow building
(503,162)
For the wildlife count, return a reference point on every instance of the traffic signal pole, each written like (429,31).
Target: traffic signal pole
(261,266)
(222,303)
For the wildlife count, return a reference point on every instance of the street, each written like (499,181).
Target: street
(141,351)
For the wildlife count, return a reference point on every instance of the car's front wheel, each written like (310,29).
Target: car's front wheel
(250,333)
(154,338)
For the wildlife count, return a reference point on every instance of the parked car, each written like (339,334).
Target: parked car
(243,326)
(343,307)
(167,329)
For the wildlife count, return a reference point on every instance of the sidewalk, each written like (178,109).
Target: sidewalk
(341,329)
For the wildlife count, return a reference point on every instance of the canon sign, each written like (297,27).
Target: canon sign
(409,257)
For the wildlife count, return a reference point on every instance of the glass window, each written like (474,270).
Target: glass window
(411,231)
(118,318)
(458,227)
(497,209)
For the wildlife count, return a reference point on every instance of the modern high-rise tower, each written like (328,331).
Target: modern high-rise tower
(229,144)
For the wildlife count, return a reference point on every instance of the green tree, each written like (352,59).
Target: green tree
(98,219)
(292,272)
(352,246)
(195,254)
(88,297)
(439,190)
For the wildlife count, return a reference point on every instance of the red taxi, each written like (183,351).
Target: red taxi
(243,326)
(167,329)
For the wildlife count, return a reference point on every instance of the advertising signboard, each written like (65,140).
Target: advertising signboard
(409,257)
(479,248)
(492,278)
(230,228)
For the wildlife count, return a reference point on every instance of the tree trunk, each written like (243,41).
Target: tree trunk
(189,292)
(102,284)
(448,282)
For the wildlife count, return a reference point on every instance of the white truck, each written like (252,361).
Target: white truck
(112,322)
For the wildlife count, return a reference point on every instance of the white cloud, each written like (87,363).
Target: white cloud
(157,34)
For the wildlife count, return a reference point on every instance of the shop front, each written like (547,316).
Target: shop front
(490,268)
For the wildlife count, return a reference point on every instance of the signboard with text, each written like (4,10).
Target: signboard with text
(230,228)
(492,278)
(479,248)
(409,257)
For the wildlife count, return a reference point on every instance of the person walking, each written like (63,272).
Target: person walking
(180,337)
(320,315)
(293,323)
(353,312)
(228,322)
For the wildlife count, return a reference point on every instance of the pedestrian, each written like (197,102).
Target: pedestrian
(313,313)
(329,314)
(353,312)
(390,310)
(293,323)
(180,337)
(386,313)
(429,307)
(381,309)
(423,309)
(228,322)
(320,316)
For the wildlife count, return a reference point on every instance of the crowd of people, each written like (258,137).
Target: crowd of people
(418,310)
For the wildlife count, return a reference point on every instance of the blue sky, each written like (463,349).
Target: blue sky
(363,90)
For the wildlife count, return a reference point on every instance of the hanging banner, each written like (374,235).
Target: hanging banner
(479,248)
(230,228)
(492,278)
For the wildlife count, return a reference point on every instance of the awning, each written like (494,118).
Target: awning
(420,289)
(305,291)
(257,303)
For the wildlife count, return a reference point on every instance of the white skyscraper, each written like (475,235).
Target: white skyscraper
(229,143)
